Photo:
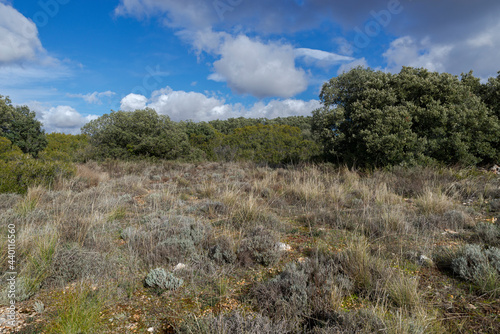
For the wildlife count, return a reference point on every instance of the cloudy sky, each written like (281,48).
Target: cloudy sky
(73,60)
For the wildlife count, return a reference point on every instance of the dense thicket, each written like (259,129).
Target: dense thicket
(19,125)
(373,118)
(142,133)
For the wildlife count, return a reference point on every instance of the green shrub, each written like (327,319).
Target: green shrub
(19,171)
(273,144)
(141,133)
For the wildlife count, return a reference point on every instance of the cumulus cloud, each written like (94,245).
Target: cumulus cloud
(94,98)
(283,108)
(406,51)
(64,119)
(133,102)
(260,69)
(19,40)
(181,105)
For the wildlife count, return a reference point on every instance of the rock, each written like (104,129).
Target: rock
(179,266)
(425,261)
(284,247)
(151,329)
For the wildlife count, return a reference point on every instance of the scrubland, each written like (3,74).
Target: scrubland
(168,247)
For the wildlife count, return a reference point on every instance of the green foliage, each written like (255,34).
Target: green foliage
(19,125)
(65,147)
(268,143)
(227,127)
(79,311)
(204,137)
(141,133)
(377,119)
(19,171)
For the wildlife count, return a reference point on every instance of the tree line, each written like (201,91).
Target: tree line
(367,119)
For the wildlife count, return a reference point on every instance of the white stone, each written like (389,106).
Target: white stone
(284,247)
(179,266)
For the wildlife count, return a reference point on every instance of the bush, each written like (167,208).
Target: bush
(273,144)
(234,323)
(223,250)
(481,267)
(488,233)
(259,246)
(20,126)
(142,133)
(166,240)
(160,280)
(19,171)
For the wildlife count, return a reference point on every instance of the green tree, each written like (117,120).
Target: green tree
(375,118)
(20,126)
(141,133)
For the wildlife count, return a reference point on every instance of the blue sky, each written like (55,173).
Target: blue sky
(72,60)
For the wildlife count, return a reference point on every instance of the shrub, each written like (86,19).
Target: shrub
(488,233)
(234,323)
(223,250)
(139,133)
(165,240)
(481,267)
(286,295)
(373,118)
(19,171)
(20,126)
(273,144)
(159,280)
(260,246)
(73,262)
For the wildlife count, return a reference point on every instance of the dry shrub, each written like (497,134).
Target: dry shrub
(234,322)
(259,245)
(433,202)
(90,177)
(74,262)
(165,239)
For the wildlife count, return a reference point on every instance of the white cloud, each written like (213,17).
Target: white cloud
(346,67)
(18,37)
(63,119)
(133,102)
(321,58)
(406,51)
(260,69)
(181,105)
(283,108)
(94,97)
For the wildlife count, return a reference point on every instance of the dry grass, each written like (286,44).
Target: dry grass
(354,243)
